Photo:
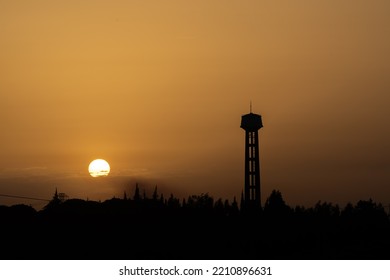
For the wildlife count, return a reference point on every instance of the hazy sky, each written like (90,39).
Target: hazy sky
(157,88)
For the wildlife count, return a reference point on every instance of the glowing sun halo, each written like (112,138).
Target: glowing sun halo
(99,168)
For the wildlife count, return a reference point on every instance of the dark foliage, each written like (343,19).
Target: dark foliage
(198,227)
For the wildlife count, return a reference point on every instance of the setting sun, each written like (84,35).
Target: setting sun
(99,168)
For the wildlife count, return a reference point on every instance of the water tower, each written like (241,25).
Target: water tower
(251,123)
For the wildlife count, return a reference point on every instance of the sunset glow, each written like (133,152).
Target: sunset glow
(99,168)
(159,88)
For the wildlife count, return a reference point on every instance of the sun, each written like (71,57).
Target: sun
(99,168)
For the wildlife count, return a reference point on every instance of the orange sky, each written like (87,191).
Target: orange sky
(157,88)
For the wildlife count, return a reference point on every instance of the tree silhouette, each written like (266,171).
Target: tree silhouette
(155,195)
(275,204)
(211,228)
(54,202)
(136,196)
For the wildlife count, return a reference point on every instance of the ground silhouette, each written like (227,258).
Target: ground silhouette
(198,227)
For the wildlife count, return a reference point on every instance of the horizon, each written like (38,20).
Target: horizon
(147,193)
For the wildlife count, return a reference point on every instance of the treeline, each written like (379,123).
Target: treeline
(198,227)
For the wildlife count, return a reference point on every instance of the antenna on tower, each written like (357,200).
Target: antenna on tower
(250,106)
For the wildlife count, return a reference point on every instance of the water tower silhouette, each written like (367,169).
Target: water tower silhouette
(251,123)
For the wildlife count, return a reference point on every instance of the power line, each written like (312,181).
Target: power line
(24,197)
